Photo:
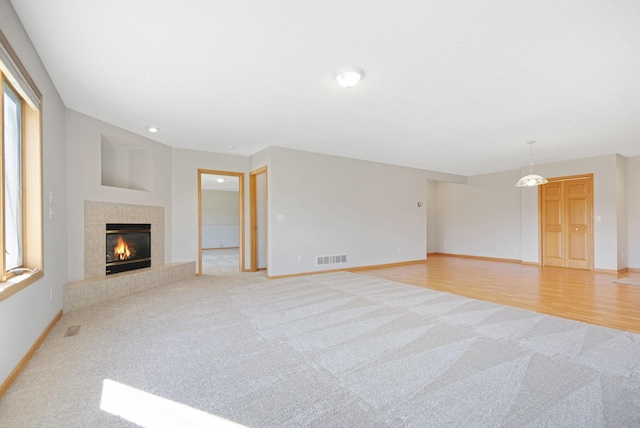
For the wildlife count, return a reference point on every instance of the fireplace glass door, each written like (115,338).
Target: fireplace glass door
(128,247)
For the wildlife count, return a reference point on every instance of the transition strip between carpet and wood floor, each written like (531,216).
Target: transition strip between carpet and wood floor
(628,281)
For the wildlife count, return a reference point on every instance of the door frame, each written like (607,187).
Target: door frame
(240,176)
(253,216)
(590,214)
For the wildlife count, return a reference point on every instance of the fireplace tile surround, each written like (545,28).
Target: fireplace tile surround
(97,287)
(98,214)
(89,292)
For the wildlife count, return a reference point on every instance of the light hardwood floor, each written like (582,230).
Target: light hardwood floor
(569,293)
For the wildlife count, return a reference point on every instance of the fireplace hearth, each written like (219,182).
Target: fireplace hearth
(128,247)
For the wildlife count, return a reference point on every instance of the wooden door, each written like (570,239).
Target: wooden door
(578,208)
(566,206)
(552,219)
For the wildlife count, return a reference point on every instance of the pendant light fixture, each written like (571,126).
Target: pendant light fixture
(531,179)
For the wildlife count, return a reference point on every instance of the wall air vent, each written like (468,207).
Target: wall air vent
(330,260)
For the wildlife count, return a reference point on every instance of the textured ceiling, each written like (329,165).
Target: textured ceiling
(451,86)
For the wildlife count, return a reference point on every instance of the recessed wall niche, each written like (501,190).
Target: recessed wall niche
(125,164)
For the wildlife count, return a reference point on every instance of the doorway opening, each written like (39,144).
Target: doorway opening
(220,221)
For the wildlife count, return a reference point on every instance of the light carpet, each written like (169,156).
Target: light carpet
(220,261)
(330,350)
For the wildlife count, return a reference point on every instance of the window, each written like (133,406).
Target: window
(21,258)
(12,172)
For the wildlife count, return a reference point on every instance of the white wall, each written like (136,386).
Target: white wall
(261,220)
(621,207)
(355,199)
(336,205)
(220,214)
(433,245)
(26,314)
(260,159)
(633,212)
(490,212)
(481,218)
(84,180)
(184,206)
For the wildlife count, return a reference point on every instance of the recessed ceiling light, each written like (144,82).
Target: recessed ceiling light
(152,129)
(220,180)
(348,77)
(231,147)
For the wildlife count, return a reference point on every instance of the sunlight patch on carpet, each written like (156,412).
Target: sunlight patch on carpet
(150,411)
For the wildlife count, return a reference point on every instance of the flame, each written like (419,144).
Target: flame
(121,250)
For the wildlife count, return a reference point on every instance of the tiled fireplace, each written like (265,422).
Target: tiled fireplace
(96,217)
(98,287)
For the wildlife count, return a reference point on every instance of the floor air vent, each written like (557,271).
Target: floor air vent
(72,331)
(330,260)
